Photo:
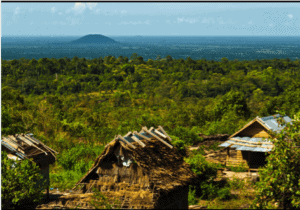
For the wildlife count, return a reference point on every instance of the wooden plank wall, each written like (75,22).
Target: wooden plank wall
(254,130)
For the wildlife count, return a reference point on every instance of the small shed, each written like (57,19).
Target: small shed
(251,142)
(25,146)
(142,169)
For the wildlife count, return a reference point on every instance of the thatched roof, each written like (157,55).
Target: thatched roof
(153,152)
(25,146)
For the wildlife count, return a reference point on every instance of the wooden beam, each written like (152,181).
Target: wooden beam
(125,141)
(151,129)
(247,145)
(161,129)
(14,146)
(146,130)
(31,144)
(128,134)
(138,141)
(159,133)
(250,142)
(31,137)
(142,136)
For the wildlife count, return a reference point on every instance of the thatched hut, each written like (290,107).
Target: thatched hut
(251,142)
(26,146)
(143,170)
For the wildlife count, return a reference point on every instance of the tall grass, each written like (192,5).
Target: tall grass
(73,164)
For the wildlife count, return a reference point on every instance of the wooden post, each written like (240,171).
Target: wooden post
(249,158)
(48,197)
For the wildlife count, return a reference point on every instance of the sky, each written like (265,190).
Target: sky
(150,19)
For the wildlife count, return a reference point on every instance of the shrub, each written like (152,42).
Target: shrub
(186,134)
(279,179)
(191,197)
(180,145)
(240,168)
(19,182)
(74,156)
(224,193)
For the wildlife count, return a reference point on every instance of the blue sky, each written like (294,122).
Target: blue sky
(186,19)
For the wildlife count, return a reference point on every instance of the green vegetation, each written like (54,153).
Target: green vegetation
(18,182)
(280,181)
(241,168)
(76,106)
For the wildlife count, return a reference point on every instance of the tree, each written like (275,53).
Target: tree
(133,56)
(19,182)
(158,58)
(169,58)
(279,179)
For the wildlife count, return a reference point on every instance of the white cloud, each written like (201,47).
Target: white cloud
(60,13)
(17,11)
(221,21)
(271,24)
(250,22)
(73,20)
(78,8)
(290,16)
(91,6)
(188,20)
(123,12)
(208,20)
(53,10)
(134,22)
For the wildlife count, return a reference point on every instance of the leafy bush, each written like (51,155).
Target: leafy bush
(205,170)
(19,182)
(206,173)
(209,190)
(192,200)
(279,179)
(186,134)
(73,157)
(240,168)
(224,193)
(215,146)
(180,145)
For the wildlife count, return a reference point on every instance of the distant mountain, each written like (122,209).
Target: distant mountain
(94,39)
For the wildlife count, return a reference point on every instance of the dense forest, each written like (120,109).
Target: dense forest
(76,105)
(96,99)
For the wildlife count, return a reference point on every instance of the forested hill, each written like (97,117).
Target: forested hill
(98,98)
(94,39)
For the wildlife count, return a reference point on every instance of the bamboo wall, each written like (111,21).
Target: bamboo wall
(254,130)
(237,160)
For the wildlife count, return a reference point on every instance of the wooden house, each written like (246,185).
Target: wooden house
(141,169)
(251,142)
(25,146)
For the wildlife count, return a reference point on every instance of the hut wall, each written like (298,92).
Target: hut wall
(175,199)
(254,130)
(127,184)
(237,160)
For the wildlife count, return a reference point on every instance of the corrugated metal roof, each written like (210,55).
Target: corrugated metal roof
(23,146)
(271,122)
(245,148)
